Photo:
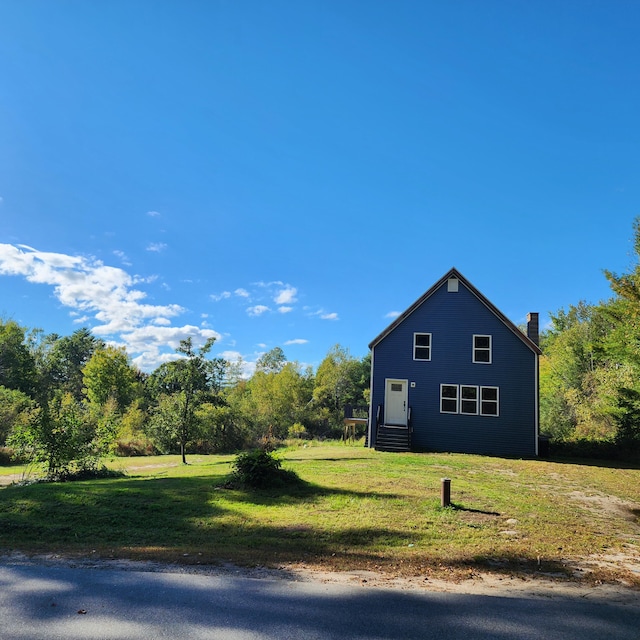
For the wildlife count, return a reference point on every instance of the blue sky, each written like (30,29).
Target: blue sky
(292,174)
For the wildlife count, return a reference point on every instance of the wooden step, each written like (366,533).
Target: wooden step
(393,438)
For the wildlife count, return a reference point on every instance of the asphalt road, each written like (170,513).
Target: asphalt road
(39,601)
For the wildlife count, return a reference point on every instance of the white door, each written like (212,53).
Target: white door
(395,402)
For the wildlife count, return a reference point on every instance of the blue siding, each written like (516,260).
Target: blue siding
(453,319)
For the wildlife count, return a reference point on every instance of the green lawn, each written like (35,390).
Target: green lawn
(357,509)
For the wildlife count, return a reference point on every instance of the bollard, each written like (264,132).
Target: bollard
(445,493)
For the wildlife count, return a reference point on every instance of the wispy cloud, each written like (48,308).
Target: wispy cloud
(107,295)
(392,314)
(123,257)
(285,309)
(156,247)
(322,314)
(257,310)
(242,293)
(153,214)
(296,341)
(216,297)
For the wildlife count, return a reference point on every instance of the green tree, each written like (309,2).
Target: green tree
(623,343)
(278,397)
(341,380)
(578,382)
(271,362)
(14,409)
(108,374)
(63,437)
(63,360)
(181,387)
(17,364)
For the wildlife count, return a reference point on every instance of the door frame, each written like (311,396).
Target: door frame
(405,384)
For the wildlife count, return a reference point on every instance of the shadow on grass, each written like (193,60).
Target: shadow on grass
(195,521)
(296,492)
(165,514)
(459,507)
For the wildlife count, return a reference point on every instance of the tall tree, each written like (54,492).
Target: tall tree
(66,358)
(272,362)
(577,379)
(341,379)
(184,385)
(279,398)
(17,364)
(108,374)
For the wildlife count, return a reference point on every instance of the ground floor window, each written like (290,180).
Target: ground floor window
(489,401)
(449,398)
(469,399)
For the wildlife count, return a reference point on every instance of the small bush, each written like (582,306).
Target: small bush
(134,447)
(9,457)
(297,430)
(260,469)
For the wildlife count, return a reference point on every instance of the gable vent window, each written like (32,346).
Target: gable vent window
(422,346)
(482,349)
(452,285)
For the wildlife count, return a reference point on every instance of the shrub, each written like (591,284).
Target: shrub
(260,469)
(297,430)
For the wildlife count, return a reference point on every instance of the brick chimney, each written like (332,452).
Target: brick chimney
(533,330)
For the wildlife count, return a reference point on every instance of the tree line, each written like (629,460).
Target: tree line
(68,401)
(590,371)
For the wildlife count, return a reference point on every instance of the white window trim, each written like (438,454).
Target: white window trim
(415,346)
(497,401)
(462,399)
(457,398)
(483,349)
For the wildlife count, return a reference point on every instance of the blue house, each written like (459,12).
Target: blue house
(453,373)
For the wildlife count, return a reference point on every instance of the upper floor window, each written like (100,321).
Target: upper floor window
(482,349)
(422,346)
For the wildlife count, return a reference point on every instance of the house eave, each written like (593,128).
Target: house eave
(454,273)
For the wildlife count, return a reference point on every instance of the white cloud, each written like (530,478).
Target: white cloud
(123,257)
(392,314)
(153,214)
(258,310)
(242,293)
(285,309)
(296,341)
(329,316)
(81,319)
(151,341)
(91,289)
(286,295)
(156,247)
(220,296)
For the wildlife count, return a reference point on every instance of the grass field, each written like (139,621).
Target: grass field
(357,509)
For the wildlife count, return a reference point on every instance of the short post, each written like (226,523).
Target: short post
(445,493)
